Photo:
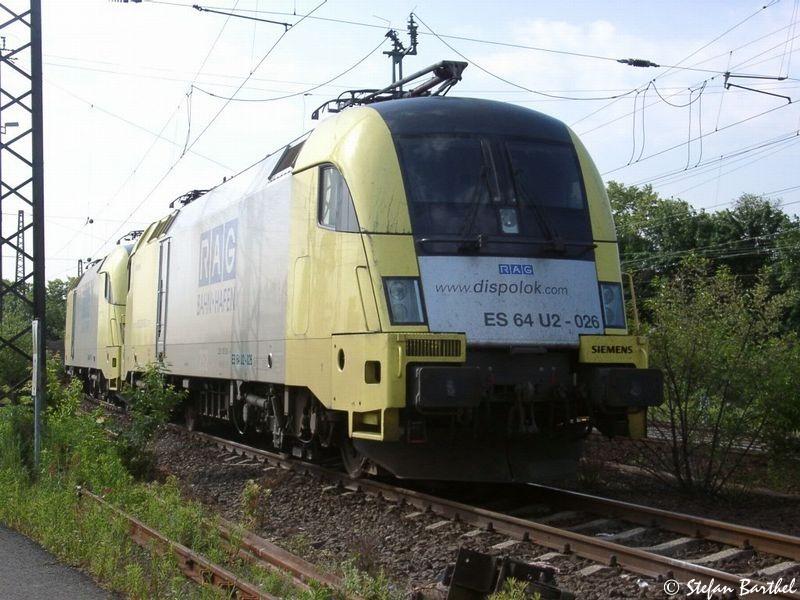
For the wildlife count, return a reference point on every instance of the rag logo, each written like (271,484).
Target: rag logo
(515,269)
(218,253)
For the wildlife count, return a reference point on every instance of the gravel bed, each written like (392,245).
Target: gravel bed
(751,565)
(770,512)
(328,526)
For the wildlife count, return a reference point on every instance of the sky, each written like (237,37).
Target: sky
(129,124)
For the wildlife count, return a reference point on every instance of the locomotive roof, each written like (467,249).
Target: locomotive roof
(437,114)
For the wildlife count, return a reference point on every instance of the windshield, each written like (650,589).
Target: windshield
(507,191)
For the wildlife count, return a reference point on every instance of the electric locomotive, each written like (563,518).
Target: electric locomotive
(429,284)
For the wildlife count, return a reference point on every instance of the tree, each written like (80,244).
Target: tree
(15,368)
(731,373)
(656,233)
(747,234)
(56,307)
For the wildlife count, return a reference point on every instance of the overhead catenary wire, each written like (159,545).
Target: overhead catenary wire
(762,150)
(740,47)
(788,36)
(755,160)
(430,32)
(710,250)
(644,130)
(699,124)
(475,39)
(681,89)
(618,118)
(633,128)
(656,261)
(303,92)
(746,62)
(721,35)
(641,150)
(187,80)
(791,45)
(158,136)
(455,37)
(666,74)
(708,133)
(511,83)
(235,175)
(682,173)
(130,176)
(214,118)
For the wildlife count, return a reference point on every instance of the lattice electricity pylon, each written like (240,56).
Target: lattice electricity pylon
(22,186)
(19,274)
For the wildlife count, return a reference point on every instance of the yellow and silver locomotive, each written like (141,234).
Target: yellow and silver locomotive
(430,284)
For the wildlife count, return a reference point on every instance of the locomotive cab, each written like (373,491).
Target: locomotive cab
(94,331)
(463,259)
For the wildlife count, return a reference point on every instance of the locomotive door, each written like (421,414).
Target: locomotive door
(162,298)
(72,325)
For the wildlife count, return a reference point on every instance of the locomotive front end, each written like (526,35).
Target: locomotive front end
(465,261)
(508,337)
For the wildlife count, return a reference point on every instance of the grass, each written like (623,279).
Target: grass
(514,590)
(44,506)
(77,451)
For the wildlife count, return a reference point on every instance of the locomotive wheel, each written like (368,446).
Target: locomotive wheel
(355,463)
(237,415)
(190,418)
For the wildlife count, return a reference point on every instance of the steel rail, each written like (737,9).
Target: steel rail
(276,557)
(195,566)
(731,534)
(255,549)
(628,558)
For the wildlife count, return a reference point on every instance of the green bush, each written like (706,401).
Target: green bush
(77,450)
(514,590)
(255,506)
(731,374)
(362,585)
(150,406)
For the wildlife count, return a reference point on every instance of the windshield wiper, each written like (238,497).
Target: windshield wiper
(557,245)
(474,205)
(477,243)
(465,243)
(544,222)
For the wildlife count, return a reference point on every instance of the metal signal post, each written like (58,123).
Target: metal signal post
(22,187)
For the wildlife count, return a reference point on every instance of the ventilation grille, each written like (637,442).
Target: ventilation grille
(433,347)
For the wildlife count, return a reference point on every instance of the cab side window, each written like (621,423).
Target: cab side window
(108,291)
(336,209)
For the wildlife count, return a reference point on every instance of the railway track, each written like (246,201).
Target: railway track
(194,566)
(585,513)
(248,546)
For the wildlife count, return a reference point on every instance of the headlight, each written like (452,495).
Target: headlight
(405,300)
(613,306)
